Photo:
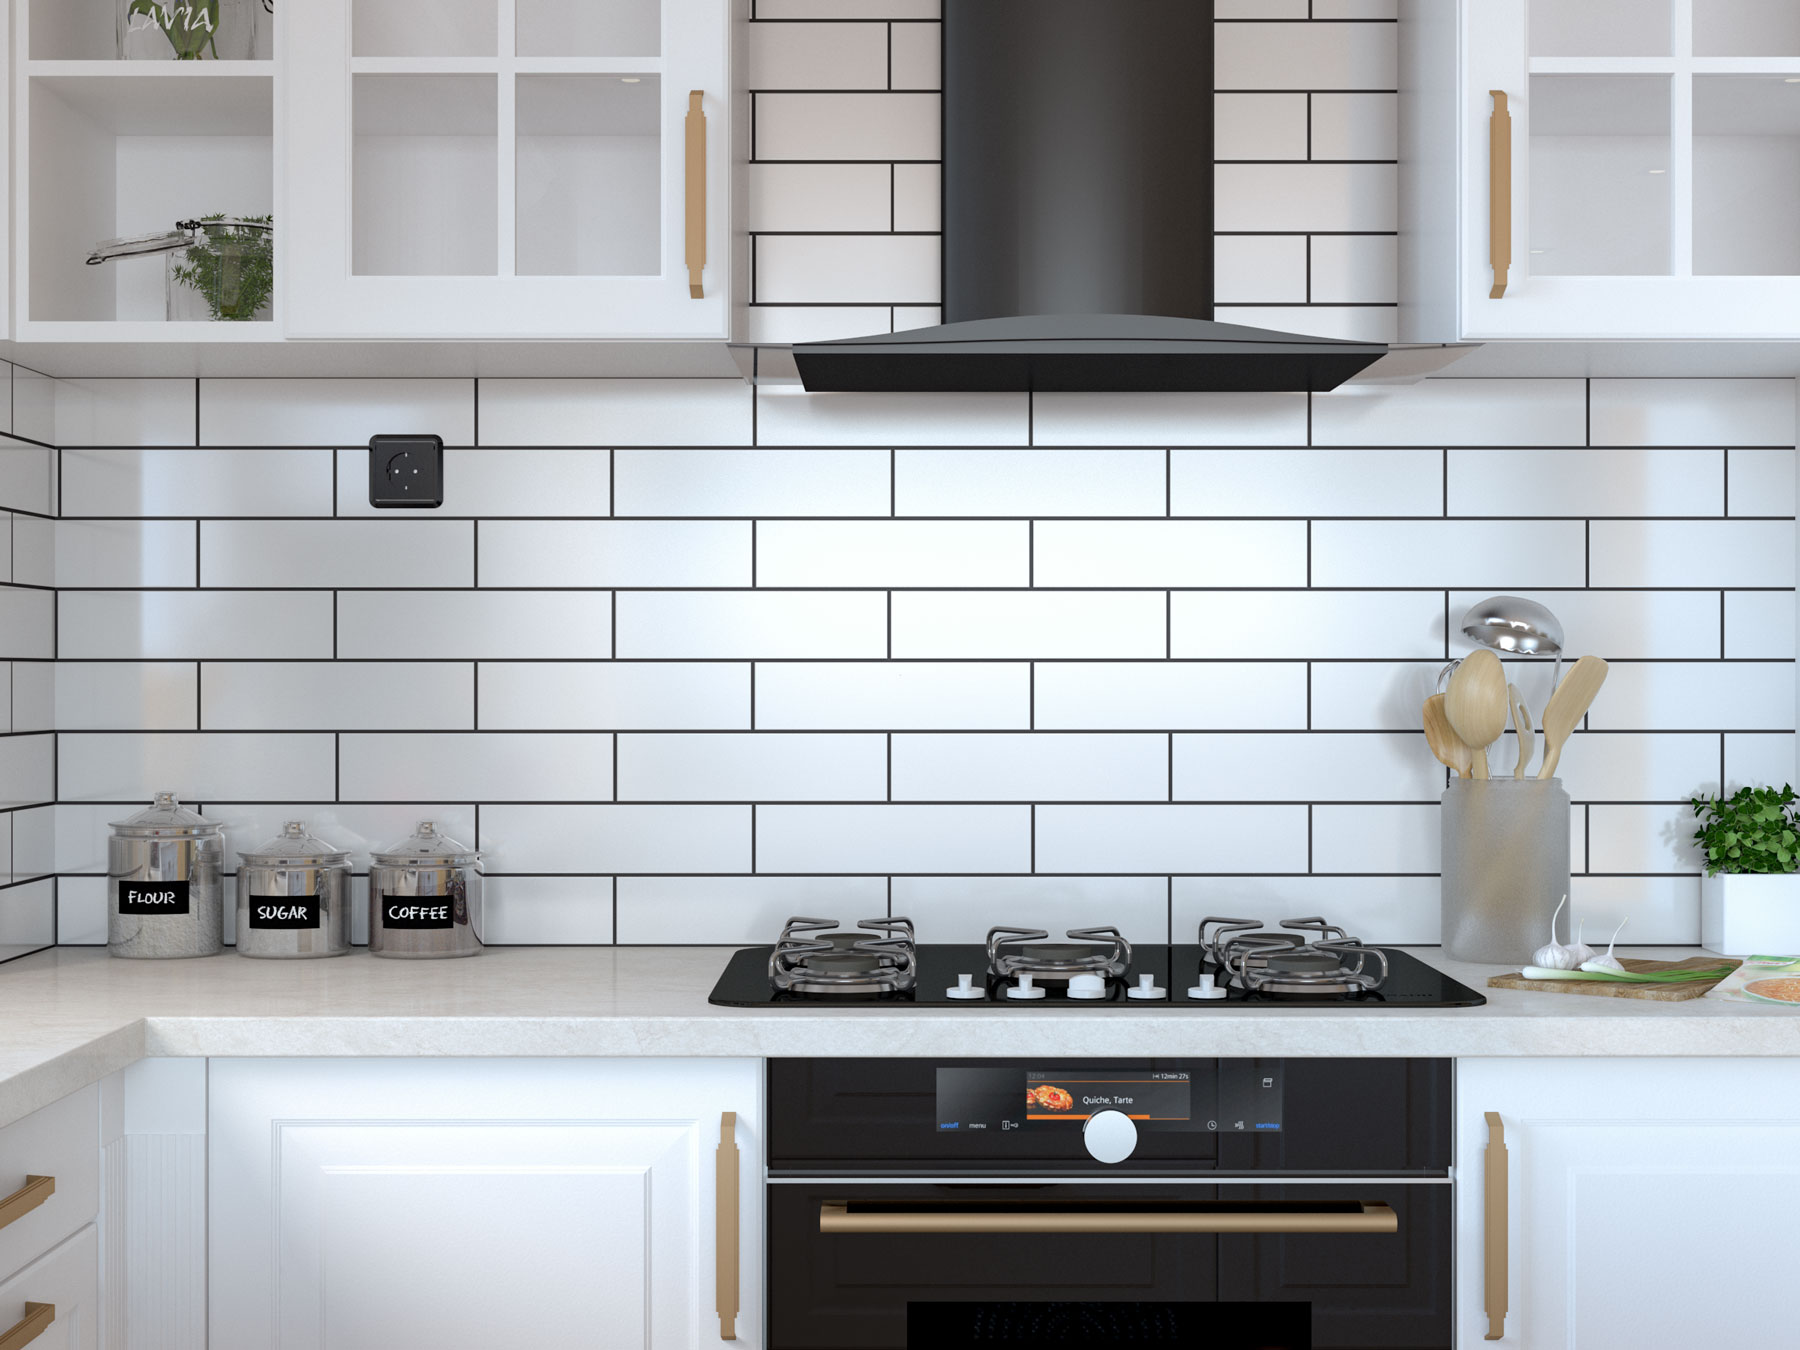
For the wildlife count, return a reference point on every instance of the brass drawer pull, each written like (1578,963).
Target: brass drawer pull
(21,1202)
(696,193)
(725,1203)
(1499,192)
(1367,1217)
(38,1316)
(1494,1205)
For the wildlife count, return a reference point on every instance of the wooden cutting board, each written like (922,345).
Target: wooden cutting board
(1657,993)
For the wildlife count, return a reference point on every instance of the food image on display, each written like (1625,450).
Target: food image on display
(1049,1097)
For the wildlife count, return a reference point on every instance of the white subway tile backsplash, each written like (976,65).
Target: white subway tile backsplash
(33,842)
(892,553)
(820,196)
(230,766)
(1444,412)
(27,917)
(33,406)
(1305,482)
(726,624)
(1159,695)
(1664,910)
(27,476)
(615,412)
(1503,554)
(617,839)
(847,126)
(615,553)
(1620,625)
(1383,840)
(472,625)
(1755,759)
(335,695)
(122,412)
(1169,419)
(1338,767)
(1642,838)
(1375,695)
(28,770)
(816,56)
(564,481)
(1696,696)
(81,911)
(1692,552)
(170,482)
(752,482)
(1352,323)
(1304,56)
(614,695)
(1355,9)
(847,9)
(500,766)
(1169,553)
(813,323)
(358,828)
(117,553)
(962,909)
(1354,268)
(194,625)
(1761,482)
(1570,482)
(1355,126)
(1024,482)
(1259,268)
(893,839)
(916,58)
(126,695)
(738,910)
(1261,9)
(534,911)
(28,620)
(1310,197)
(1259,126)
(1403,910)
(918,205)
(1693,412)
(1667,766)
(1139,839)
(1043,624)
(1031,767)
(847,269)
(881,695)
(1299,624)
(765,767)
(333,412)
(790,418)
(1758,624)
(343,553)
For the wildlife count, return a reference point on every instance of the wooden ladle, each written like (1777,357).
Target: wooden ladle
(1567,706)
(1450,748)
(1476,704)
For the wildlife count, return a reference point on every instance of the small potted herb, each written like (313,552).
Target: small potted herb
(1749,846)
(229,268)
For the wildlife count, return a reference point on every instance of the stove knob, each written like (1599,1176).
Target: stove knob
(1025,988)
(1147,987)
(1110,1136)
(1087,986)
(965,988)
(1208,988)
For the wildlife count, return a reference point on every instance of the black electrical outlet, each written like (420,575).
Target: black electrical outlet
(406,471)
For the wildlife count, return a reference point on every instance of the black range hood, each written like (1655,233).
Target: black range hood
(1078,218)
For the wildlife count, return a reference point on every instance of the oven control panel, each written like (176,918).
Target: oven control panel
(1240,1099)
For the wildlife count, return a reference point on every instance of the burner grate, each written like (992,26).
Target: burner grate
(813,957)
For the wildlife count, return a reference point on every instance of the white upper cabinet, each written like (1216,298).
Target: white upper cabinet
(507,168)
(1598,170)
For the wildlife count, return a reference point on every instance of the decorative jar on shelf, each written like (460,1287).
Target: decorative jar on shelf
(216,267)
(190,30)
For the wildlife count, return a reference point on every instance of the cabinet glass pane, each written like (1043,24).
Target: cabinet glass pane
(1746,28)
(424,27)
(589,175)
(1746,176)
(1599,159)
(589,27)
(425,175)
(1600,27)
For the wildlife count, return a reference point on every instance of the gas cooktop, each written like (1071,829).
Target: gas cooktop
(1306,963)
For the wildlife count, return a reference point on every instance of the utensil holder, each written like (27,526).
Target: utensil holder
(1505,866)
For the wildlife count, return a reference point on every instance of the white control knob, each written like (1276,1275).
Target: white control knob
(1147,987)
(1087,986)
(965,988)
(1025,988)
(1110,1136)
(1208,988)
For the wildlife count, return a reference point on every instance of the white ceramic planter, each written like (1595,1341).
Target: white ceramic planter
(1749,914)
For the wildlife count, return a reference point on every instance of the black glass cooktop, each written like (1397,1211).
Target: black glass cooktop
(1410,984)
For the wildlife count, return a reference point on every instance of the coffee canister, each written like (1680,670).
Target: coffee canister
(293,897)
(425,897)
(164,895)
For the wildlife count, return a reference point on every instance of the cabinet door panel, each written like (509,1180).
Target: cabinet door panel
(68,1279)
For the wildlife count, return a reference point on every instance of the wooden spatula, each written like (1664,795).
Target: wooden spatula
(1567,706)
(1521,712)
(1443,740)
(1476,704)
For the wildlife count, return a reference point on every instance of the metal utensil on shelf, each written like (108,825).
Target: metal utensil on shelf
(1476,704)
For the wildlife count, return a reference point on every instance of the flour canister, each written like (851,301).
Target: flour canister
(164,892)
(425,897)
(293,897)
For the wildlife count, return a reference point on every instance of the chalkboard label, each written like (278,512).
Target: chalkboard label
(413,912)
(284,911)
(153,897)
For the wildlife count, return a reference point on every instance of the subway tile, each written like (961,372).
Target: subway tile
(358,828)
(1642,838)
(752,482)
(1354,268)
(1445,412)
(819,196)
(847,269)
(516,481)
(1137,839)
(791,418)
(126,695)
(1031,767)
(961,909)
(1374,695)
(814,323)
(168,482)
(197,766)
(1298,625)
(81,911)
(33,842)
(1169,419)
(848,126)
(1761,482)
(27,550)
(33,406)
(1352,323)
(1696,696)
(1169,553)
(6,693)
(28,623)
(616,839)
(1498,553)
(27,917)
(1317,197)
(893,553)
(1261,9)
(909,317)
(1304,56)
(27,476)
(1161,696)
(724,624)
(1026,482)
(124,412)
(917,52)
(1661,910)
(615,412)
(893,839)
(501,766)
(1311,766)
(1384,840)
(95,553)
(193,625)
(1355,9)
(608,696)
(674,911)
(1355,126)
(1394,910)
(34,695)
(1259,126)
(547,911)
(615,553)
(1758,759)
(1692,552)
(1758,623)
(752,767)
(893,696)
(1661,766)
(342,553)
(1038,624)
(848,9)
(1693,412)
(81,834)
(333,412)
(1306,482)
(336,696)
(816,56)
(28,770)
(474,625)
(1570,482)
(1619,625)
(1259,268)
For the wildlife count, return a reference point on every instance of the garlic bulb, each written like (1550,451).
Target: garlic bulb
(1609,961)
(1582,951)
(1553,955)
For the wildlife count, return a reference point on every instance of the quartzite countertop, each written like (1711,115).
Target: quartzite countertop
(70,1016)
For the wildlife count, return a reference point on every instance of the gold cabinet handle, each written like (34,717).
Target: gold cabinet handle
(28,1197)
(696,193)
(38,1316)
(1494,1202)
(1499,192)
(725,1207)
(843,1217)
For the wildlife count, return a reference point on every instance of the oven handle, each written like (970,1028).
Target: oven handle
(1370,1217)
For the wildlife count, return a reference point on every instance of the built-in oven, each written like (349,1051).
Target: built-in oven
(1261,1204)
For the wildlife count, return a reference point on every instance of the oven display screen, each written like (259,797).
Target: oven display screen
(1163,1097)
(1244,1099)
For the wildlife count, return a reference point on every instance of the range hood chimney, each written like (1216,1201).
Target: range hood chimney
(1078,217)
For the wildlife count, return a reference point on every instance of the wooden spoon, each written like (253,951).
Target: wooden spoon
(1444,742)
(1476,704)
(1568,705)
(1522,724)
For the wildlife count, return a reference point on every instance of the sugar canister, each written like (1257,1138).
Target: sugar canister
(425,897)
(293,897)
(163,883)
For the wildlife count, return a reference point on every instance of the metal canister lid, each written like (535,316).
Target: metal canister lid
(426,848)
(296,846)
(167,818)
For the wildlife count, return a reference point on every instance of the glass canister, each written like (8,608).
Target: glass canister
(425,897)
(1505,866)
(293,897)
(164,895)
(215,268)
(190,30)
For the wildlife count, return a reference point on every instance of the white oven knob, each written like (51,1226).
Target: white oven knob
(1087,986)
(965,988)
(1146,987)
(1110,1136)
(1025,988)
(1208,988)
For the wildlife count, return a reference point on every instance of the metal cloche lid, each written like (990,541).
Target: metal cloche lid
(298,847)
(166,816)
(428,848)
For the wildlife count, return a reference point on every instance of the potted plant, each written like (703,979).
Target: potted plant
(1750,891)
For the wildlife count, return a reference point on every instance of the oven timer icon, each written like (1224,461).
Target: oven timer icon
(1268,1082)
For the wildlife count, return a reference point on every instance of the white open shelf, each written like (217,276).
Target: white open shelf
(473,28)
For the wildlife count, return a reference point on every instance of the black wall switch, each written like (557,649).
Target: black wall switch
(406,471)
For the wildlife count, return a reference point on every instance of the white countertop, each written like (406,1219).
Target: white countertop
(71,1016)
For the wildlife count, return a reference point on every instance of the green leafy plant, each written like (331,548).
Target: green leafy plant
(1753,830)
(231,266)
(191,26)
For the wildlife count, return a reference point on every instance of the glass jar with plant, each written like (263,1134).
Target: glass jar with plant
(227,272)
(1749,845)
(189,30)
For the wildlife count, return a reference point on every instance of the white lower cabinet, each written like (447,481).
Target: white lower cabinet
(556,1204)
(54,1303)
(1649,1202)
